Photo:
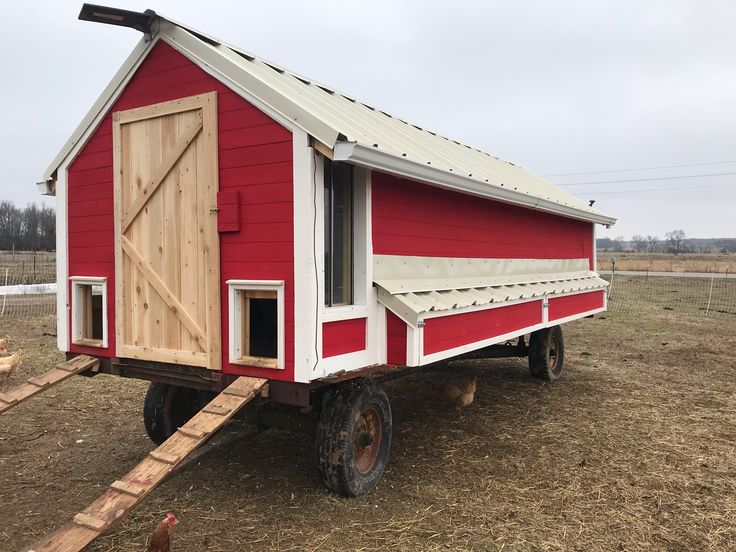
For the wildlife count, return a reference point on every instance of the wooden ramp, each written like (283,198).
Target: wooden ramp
(36,385)
(124,494)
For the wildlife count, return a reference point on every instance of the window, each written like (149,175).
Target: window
(338,199)
(89,308)
(256,323)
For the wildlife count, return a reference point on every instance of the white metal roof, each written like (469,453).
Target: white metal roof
(358,132)
(413,286)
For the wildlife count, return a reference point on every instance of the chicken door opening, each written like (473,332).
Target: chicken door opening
(259,327)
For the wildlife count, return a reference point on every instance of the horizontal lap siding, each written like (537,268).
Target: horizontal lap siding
(410,218)
(569,305)
(395,339)
(255,158)
(447,332)
(342,337)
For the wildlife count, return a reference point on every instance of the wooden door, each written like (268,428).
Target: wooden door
(167,296)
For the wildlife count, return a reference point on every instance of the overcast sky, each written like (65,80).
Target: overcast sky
(557,87)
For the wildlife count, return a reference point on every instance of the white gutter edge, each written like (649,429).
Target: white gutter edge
(376,159)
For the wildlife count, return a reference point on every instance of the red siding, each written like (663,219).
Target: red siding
(561,307)
(344,336)
(448,332)
(395,339)
(410,218)
(255,156)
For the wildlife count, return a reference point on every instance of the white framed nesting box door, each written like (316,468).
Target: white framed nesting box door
(167,255)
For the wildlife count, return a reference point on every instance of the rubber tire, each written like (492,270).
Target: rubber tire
(336,429)
(168,407)
(539,358)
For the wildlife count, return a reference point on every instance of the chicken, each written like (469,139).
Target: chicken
(4,342)
(161,539)
(10,363)
(458,394)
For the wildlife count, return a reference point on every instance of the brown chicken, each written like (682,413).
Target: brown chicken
(10,363)
(161,539)
(459,394)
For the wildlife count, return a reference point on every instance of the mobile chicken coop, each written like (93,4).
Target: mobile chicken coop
(226,224)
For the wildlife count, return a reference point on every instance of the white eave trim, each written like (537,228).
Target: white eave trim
(367,156)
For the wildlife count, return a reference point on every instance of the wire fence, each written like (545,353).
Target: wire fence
(27,284)
(702,295)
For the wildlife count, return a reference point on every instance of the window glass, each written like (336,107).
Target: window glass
(338,234)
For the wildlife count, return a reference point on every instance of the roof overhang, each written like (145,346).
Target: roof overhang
(366,156)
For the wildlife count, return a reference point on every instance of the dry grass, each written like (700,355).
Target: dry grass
(632,450)
(666,262)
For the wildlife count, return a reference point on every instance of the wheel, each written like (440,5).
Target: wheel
(546,353)
(353,438)
(167,408)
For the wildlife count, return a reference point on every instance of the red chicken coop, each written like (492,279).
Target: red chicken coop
(222,219)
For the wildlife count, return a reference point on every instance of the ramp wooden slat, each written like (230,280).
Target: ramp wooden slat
(38,384)
(127,492)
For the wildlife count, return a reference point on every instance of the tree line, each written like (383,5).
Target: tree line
(27,229)
(675,242)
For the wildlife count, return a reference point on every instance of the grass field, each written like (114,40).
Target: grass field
(666,262)
(633,449)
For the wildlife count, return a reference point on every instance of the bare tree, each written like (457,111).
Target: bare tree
(652,243)
(31,228)
(619,242)
(676,240)
(639,243)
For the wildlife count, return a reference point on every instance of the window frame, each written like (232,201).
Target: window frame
(78,285)
(328,234)
(235,319)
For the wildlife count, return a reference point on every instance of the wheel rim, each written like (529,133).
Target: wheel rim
(553,355)
(367,440)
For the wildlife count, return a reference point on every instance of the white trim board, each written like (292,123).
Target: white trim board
(77,301)
(235,318)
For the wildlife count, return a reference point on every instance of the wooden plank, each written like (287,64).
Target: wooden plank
(219,410)
(114,505)
(128,488)
(165,458)
(208,170)
(36,385)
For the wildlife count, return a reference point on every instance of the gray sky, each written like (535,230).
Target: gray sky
(557,87)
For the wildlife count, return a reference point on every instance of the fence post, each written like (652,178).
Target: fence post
(5,294)
(610,284)
(710,295)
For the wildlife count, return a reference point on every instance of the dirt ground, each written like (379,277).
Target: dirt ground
(633,449)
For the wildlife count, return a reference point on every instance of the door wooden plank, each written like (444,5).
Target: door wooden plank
(171,262)
(127,492)
(173,303)
(207,171)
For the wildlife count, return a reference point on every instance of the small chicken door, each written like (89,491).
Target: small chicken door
(167,298)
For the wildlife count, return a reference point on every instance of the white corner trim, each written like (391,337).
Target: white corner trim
(307,267)
(366,156)
(77,285)
(235,316)
(62,262)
